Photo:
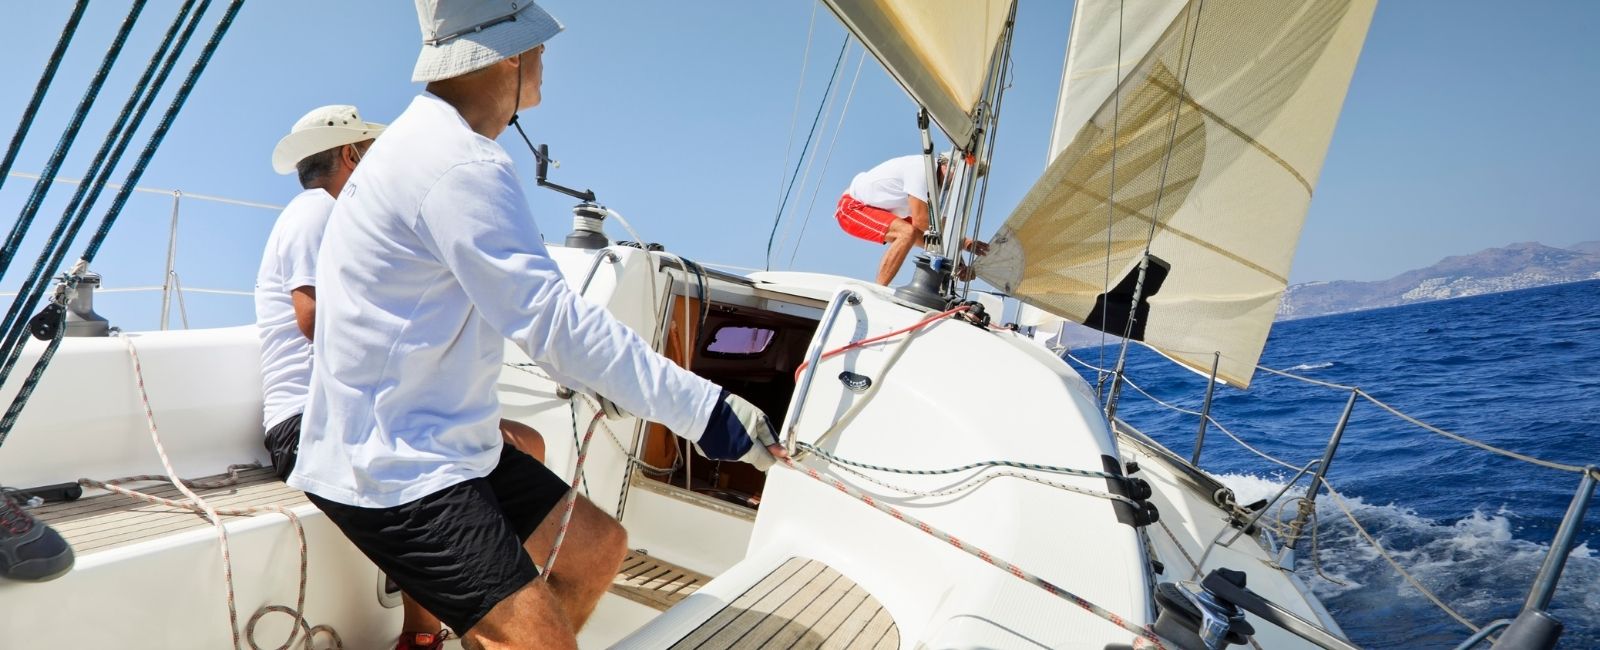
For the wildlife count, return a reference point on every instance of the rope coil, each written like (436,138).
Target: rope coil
(195,503)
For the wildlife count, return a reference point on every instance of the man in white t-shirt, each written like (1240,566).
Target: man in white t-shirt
(431,260)
(888,204)
(322,149)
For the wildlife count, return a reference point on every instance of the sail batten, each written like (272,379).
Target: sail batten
(1213,131)
(938,50)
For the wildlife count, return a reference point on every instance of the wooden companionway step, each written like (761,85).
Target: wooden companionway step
(803,604)
(659,584)
(108,521)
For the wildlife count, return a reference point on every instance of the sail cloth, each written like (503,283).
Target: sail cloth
(939,50)
(1217,136)
(1094,64)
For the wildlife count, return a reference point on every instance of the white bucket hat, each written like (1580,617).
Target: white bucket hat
(460,36)
(318,131)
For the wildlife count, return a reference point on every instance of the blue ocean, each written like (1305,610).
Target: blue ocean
(1518,370)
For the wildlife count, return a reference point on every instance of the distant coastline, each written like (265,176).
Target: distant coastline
(1495,270)
(1527,265)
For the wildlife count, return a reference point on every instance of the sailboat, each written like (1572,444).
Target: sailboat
(955,483)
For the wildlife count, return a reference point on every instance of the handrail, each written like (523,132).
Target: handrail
(605,254)
(152,190)
(220,292)
(1484,633)
(813,359)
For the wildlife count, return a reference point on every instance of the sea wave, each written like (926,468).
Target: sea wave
(1473,527)
(1477,564)
(1311,366)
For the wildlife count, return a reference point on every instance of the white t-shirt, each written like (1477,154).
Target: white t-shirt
(430,261)
(887,185)
(289,262)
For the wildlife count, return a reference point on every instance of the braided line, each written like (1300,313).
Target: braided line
(571,500)
(934,472)
(979,480)
(1145,634)
(197,504)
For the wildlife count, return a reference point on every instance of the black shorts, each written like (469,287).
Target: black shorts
(458,552)
(283,445)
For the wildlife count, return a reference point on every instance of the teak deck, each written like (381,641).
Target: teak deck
(108,521)
(801,604)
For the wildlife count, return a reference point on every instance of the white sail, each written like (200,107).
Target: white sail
(1108,39)
(1217,137)
(939,50)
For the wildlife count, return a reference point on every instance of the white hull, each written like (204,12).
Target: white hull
(953,395)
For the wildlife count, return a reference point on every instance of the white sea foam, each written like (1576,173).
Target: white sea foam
(1476,563)
(1311,366)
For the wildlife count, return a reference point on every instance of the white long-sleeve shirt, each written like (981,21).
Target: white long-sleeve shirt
(430,259)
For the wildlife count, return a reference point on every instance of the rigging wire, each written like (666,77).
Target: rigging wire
(1161,189)
(837,127)
(994,136)
(87,193)
(1111,200)
(32,110)
(132,180)
(827,107)
(63,144)
(777,218)
(794,116)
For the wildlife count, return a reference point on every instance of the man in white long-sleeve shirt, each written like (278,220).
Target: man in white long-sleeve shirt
(430,259)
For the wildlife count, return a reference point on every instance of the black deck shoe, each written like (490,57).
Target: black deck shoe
(29,549)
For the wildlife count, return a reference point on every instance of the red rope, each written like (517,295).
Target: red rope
(874,339)
(1146,636)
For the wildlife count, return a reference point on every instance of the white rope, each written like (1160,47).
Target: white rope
(1481,445)
(1253,450)
(1319,382)
(1157,400)
(605,426)
(1393,562)
(195,503)
(1431,428)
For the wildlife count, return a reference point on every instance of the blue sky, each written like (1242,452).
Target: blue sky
(1469,124)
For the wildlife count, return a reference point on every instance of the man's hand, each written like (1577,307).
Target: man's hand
(974,246)
(737,430)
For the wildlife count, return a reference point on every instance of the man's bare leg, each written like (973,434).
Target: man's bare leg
(548,615)
(900,239)
(523,437)
(531,618)
(594,549)
(417,619)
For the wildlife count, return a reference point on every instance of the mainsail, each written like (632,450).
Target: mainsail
(1214,138)
(939,50)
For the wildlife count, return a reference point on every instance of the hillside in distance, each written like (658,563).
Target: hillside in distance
(1518,266)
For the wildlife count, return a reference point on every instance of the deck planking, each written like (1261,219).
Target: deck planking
(802,604)
(110,520)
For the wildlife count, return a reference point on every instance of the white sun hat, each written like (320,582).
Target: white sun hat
(320,130)
(460,36)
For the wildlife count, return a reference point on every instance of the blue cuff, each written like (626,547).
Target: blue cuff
(725,437)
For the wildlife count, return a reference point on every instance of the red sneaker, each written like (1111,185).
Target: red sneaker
(422,641)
